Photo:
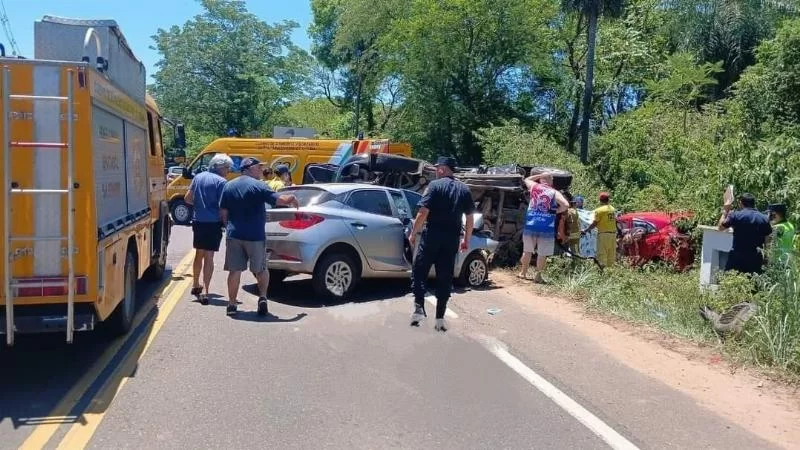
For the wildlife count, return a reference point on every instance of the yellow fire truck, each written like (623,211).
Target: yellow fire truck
(84,212)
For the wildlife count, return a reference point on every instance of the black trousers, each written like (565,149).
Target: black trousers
(745,262)
(438,249)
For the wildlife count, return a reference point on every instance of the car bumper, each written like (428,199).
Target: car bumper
(291,256)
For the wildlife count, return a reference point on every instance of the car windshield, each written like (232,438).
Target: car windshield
(309,196)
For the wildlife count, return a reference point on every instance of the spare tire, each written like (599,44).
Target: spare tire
(561,178)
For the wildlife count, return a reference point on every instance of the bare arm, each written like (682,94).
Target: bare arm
(563,204)
(468,226)
(419,222)
(721,225)
(223,216)
(287,200)
(189,197)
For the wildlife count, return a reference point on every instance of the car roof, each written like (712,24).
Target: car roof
(658,218)
(341,188)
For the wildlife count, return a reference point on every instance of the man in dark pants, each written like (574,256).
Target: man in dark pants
(750,230)
(442,206)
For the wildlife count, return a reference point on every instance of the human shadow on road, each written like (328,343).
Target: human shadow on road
(252,316)
(44,367)
(300,293)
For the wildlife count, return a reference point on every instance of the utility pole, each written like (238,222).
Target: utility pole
(358,90)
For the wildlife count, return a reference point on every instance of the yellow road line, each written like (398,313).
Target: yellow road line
(43,432)
(82,431)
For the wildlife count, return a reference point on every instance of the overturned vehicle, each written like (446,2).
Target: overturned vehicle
(499,192)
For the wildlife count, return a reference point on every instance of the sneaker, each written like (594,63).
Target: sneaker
(231,309)
(204,299)
(440,325)
(419,314)
(263,308)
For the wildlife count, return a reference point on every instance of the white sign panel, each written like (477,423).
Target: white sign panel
(291,132)
(109,167)
(136,157)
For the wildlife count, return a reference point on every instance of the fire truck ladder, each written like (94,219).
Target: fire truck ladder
(9,190)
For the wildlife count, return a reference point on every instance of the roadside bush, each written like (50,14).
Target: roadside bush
(512,143)
(657,296)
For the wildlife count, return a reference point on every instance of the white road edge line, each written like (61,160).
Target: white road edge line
(448,313)
(597,426)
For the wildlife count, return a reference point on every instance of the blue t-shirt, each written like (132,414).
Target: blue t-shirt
(244,198)
(207,189)
(750,229)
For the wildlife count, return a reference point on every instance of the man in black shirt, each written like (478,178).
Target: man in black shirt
(750,230)
(445,202)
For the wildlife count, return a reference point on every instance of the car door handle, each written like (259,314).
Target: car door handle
(358,225)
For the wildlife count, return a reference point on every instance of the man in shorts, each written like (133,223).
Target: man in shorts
(204,194)
(244,213)
(539,234)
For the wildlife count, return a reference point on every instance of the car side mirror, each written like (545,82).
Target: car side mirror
(187,173)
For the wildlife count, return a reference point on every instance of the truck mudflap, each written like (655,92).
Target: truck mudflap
(34,319)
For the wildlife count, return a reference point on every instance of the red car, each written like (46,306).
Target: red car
(654,236)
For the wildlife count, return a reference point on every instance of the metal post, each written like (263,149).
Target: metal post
(70,211)
(7,212)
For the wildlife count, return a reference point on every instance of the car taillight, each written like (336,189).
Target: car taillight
(47,286)
(301,221)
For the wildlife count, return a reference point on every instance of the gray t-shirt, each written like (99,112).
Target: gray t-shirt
(206,189)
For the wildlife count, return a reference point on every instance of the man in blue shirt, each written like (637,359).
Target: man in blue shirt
(442,207)
(750,231)
(204,194)
(244,212)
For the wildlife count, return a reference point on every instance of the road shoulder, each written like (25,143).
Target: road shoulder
(539,326)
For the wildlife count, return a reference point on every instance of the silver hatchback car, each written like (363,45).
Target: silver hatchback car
(343,232)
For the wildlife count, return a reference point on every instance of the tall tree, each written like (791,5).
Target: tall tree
(592,10)
(226,70)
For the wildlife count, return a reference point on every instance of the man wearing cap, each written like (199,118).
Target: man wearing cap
(243,210)
(445,202)
(605,220)
(750,231)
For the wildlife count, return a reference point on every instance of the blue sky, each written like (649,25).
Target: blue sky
(139,19)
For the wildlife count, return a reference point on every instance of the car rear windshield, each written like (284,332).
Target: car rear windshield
(309,196)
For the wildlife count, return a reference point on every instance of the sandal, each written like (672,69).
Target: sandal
(197,290)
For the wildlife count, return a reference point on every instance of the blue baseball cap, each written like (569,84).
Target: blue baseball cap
(248,163)
(448,161)
(282,169)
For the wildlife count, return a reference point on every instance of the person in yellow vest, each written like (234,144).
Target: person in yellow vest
(605,220)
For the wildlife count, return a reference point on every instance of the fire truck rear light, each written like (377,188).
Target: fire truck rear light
(47,286)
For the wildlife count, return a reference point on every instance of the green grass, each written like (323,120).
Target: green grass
(658,296)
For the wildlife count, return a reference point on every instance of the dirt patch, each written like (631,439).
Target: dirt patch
(764,405)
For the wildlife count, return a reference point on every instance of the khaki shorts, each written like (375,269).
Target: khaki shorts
(239,253)
(541,245)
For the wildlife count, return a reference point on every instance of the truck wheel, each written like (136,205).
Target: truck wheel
(474,271)
(181,212)
(156,271)
(121,319)
(335,276)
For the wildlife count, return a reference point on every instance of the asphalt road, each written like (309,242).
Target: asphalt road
(340,376)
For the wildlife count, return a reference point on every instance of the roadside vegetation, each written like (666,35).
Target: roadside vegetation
(661,104)
(657,296)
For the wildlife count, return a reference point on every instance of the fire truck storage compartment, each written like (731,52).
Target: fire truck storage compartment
(61,39)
